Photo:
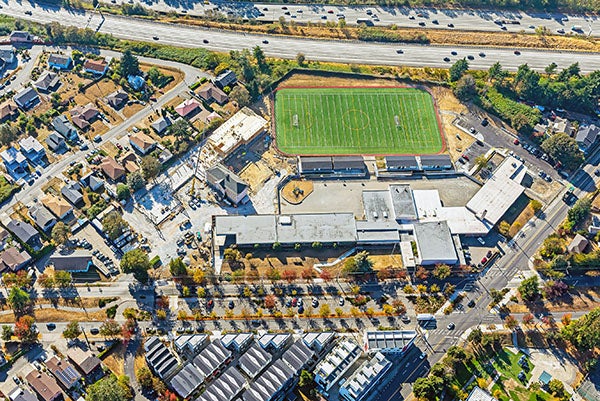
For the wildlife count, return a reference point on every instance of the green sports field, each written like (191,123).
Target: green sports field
(336,121)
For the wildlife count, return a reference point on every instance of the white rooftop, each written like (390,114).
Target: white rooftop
(30,144)
(241,127)
(499,192)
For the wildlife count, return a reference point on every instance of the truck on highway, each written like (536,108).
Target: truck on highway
(577,28)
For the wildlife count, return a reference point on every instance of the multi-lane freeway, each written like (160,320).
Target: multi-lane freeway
(422,17)
(288,47)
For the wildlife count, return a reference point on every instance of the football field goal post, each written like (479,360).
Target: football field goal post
(295,120)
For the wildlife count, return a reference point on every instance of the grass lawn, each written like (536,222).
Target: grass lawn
(356,121)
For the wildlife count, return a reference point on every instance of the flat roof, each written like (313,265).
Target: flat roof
(377,205)
(241,127)
(403,202)
(401,162)
(258,229)
(500,191)
(393,339)
(435,243)
(435,160)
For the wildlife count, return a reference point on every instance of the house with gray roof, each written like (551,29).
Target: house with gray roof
(227,184)
(187,380)
(212,358)
(254,360)
(79,261)
(63,126)
(72,192)
(42,217)
(20,37)
(47,82)
(25,233)
(59,61)
(20,394)
(226,78)
(55,141)
(272,384)
(26,98)
(117,99)
(161,124)
(91,181)
(160,359)
(226,388)
(587,137)
(11,259)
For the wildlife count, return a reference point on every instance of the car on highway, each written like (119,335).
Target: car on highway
(451,326)
(453,52)
(323,17)
(447,59)
(561,31)
(284,8)
(411,17)
(450,25)
(28,12)
(50,326)
(329,11)
(517,53)
(436,22)
(400,51)
(421,23)
(205,41)
(470,57)
(155,37)
(231,305)
(265,9)
(266,42)
(482,54)
(503,28)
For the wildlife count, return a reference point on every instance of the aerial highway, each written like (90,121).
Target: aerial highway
(288,47)
(405,17)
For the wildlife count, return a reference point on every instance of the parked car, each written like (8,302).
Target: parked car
(451,326)
(480,240)
(231,305)
(94,330)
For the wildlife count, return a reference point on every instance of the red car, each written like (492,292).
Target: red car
(210,304)
(516,142)
(484,260)
(465,157)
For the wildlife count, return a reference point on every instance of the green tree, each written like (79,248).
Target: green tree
(496,72)
(110,329)
(563,148)
(504,228)
(428,388)
(458,69)
(551,68)
(60,233)
(150,167)
(481,161)
(46,280)
(442,272)
(529,288)
(358,264)
(300,59)
(584,333)
(18,299)
(144,377)
(136,261)
(135,181)
(240,95)
(63,278)
(8,134)
(556,388)
(106,389)
(179,128)
(114,225)
(72,331)
(7,333)
(306,378)
(552,246)
(536,205)
(259,56)
(129,64)
(580,210)
(177,267)
(123,192)
(465,88)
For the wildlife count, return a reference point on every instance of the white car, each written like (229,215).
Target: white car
(481,241)
(423,356)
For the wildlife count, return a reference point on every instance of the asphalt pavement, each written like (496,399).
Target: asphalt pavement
(288,47)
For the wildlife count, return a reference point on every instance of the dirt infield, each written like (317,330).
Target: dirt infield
(294,192)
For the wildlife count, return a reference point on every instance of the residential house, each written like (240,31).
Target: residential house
(26,98)
(4,235)
(25,233)
(210,93)
(14,161)
(160,358)
(188,108)
(587,137)
(42,217)
(55,141)
(365,379)
(59,61)
(142,143)
(226,78)
(161,124)
(478,394)
(8,111)
(136,82)
(7,54)
(57,206)
(79,261)
(96,67)
(11,259)
(129,161)
(117,99)
(32,149)
(20,394)
(63,126)
(45,386)
(227,183)
(72,192)
(83,116)
(91,181)
(578,244)
(563,126)
(20,37)
(84,361)
(113,170)
(47,82)
(64,372)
